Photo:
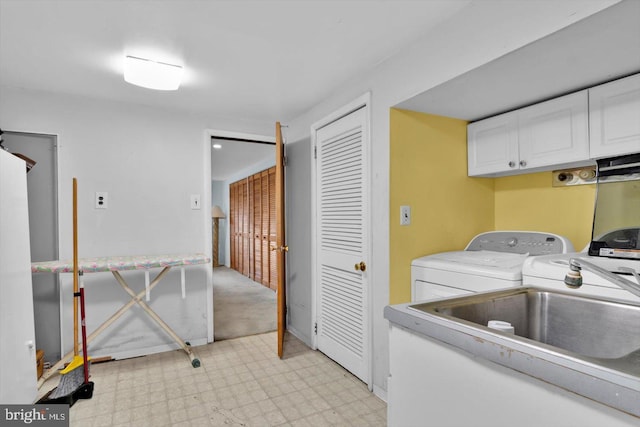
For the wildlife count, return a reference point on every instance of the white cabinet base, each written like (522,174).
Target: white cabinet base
(433,383)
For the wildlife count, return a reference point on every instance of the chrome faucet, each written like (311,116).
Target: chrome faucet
(573,279)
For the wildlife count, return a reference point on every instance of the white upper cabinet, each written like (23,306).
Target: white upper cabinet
(493,145)
(543,136)
(614,118)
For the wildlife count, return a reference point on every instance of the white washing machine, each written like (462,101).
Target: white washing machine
(491,261)
(548,272)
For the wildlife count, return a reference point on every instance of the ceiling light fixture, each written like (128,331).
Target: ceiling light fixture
(152,74)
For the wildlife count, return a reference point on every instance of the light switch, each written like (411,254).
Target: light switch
(405,215)
(195,201)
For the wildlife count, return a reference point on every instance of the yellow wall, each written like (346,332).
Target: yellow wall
(428,171)
(529,202)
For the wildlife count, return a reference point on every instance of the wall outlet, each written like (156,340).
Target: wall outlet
(405,215)
(102,199)
(195,201)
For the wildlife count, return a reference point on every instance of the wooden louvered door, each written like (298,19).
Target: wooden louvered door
(266,248)
(233,224)
(239,222)
(256,226)
(272,230)
(245,232)
(342,245)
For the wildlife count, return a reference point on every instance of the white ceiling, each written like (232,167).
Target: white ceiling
(597,49)
(260,60)
(269,60)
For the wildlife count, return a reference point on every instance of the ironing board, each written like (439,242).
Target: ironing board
(115,264)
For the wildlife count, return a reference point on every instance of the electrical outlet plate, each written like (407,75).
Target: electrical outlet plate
(576,176)
(102,199)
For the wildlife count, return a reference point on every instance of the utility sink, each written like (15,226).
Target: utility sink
(587,345)
(602,331)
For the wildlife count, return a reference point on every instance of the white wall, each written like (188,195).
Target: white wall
(149,161)
(217,198)
(480,33)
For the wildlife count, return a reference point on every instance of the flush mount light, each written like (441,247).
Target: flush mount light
(152,74)
(217,146)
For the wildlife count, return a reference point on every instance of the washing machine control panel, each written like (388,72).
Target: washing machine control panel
(520,242)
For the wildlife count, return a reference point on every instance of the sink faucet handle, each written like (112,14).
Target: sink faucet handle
(573,279)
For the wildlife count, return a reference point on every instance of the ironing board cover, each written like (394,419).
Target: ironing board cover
(119,263)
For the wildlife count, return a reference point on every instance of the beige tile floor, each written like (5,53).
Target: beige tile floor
(241,383)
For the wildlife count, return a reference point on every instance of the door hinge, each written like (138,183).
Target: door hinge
(315,328)
(315,151)
(285,160)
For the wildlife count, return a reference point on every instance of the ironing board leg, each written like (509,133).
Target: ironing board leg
(138,299)
(60,364)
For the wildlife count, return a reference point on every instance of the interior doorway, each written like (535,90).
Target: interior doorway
(241,306)
(42,187)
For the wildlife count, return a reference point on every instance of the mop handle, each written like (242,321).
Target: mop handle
(75,267)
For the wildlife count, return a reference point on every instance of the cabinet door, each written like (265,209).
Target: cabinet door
(492,145)
(614,118)
(554,132)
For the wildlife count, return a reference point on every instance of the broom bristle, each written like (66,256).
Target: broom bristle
(69,383)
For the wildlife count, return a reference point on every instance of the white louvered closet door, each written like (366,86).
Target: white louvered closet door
(342,202)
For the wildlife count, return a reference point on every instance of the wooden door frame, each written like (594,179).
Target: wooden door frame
(360,102)
(206,201)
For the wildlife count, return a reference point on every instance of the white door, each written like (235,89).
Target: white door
(342,291)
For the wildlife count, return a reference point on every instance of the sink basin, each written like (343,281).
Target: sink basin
(586,326)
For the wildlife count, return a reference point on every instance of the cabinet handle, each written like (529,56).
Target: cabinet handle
(512,164)
(523,163)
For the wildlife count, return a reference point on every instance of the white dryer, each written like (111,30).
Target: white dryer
(491,261)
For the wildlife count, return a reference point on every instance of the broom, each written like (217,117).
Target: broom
(74,378)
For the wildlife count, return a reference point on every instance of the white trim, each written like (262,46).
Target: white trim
(361,101)
(208,238)
(382,394)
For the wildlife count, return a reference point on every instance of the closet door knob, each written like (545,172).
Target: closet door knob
(523,163)
(361,266)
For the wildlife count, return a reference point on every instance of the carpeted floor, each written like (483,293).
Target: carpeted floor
(241,306)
